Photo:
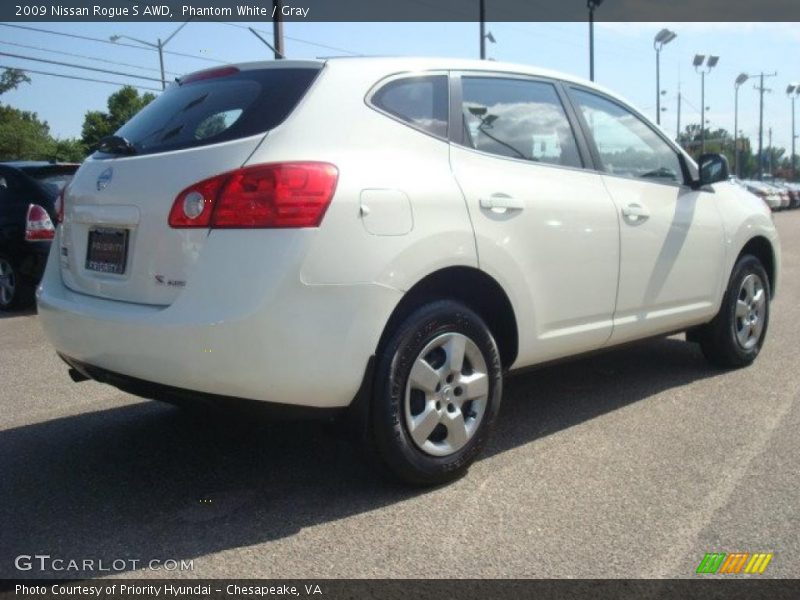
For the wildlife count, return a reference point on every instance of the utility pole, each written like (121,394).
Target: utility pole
(739,81)
(592,5)
(277,29)
(482,18)
(794,137)
(761,89)
(769,152)
(793,90)
(678,128)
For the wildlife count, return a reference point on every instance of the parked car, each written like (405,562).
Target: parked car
(794,190)
(28,191)
(388,238)
(791,189)
(766,192)
(782,192)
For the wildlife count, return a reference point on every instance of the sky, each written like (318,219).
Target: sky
(624,60)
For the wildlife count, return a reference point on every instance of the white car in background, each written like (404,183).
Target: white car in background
(391,237)
(764,191)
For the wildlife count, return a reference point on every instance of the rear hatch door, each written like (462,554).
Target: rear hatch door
(116,242)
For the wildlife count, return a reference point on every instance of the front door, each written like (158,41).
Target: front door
(672,239)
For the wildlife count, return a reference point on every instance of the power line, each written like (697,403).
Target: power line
(102,41)
(141,87)
(74,66)
(87,57)
(294,39)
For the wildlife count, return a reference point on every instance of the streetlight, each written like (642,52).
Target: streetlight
(159,45)
(592,5)
(663,37)
(792,91)
(698,61)
(739,81)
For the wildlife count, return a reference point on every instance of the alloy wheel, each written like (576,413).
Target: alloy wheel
(751,308)
(446,394)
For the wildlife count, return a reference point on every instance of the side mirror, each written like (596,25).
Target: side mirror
(713,168)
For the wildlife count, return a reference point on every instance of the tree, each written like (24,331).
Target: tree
(772,158)
(23,135)
(720,141)
(68,150)
(11,78)
(122,105)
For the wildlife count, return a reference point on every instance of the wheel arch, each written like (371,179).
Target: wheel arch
(760,247)
(472,287)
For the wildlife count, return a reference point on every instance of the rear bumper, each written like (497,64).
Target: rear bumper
(184,397)
(31,258)
(271,338)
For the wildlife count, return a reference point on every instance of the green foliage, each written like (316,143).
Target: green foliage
(68,150)
(23,136)
(721,141)
(122,105)
(11,78)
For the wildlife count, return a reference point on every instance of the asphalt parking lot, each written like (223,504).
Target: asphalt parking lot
(633,463)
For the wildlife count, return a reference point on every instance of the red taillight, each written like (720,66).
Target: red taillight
(38,225)
(59,206)
(201,195)
(261,196)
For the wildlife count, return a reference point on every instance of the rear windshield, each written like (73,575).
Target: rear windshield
(52,179)
(217,110)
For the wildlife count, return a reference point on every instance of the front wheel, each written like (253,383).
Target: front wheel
(735,336)
(438,390)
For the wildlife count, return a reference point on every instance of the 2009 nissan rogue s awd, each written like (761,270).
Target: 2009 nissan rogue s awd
(393,235)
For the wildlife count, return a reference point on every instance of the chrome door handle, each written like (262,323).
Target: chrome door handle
(635,212)
(501,203)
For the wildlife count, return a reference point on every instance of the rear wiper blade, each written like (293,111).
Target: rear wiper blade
(114,144)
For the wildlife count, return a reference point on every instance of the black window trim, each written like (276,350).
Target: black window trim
(599,167)
(456,126)
(379,85)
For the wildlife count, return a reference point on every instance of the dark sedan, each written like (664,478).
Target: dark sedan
(28,214)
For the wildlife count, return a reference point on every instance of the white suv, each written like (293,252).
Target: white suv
(391,236)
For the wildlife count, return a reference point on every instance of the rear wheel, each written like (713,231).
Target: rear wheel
(14,292)
(735,336)
(438,390)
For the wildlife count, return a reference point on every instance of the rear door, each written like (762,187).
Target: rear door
(115,241)
(545,226)
(672,240)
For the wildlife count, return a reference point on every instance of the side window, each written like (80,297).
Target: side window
(517,118)
(627,146)
(420,101)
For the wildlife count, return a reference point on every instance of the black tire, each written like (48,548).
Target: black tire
(440,320)
(718,339)
(22,295)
